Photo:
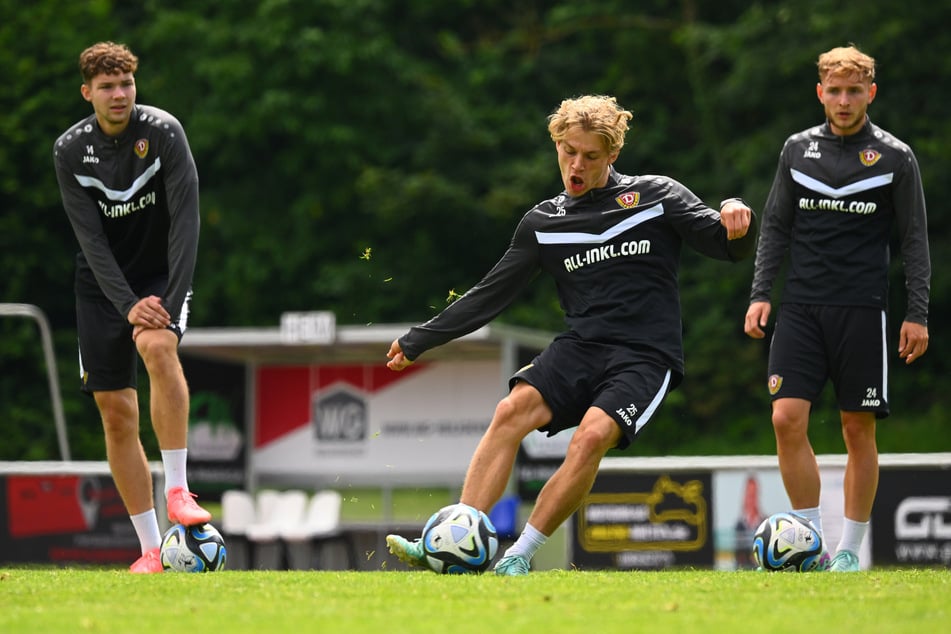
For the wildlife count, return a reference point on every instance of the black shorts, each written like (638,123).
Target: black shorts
(844,344)
(573,375)
(108,359)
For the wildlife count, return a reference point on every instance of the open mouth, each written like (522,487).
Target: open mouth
(577,183)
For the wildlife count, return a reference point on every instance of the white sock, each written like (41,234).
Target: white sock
(527,543)
(147,530)
(174,462)
(852,535)
(814,515)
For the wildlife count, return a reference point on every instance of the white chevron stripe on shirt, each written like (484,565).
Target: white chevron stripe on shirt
(611,232)
(838,192)
(123,195)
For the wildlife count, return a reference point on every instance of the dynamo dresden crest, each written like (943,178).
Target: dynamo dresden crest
(629,199)
(775,382)
(869,157)
(141,148)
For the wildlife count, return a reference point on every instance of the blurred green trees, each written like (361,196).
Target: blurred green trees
(417,130)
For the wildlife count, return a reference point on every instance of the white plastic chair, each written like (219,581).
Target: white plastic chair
(306,544)
(276,511)
(237,514)
(264,502)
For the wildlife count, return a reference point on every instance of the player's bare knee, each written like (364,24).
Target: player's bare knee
(119,416)
(523,407)
(505,410)
(118,429)
(590,443)
(510,417)
(789,424)
(858,427)
(160,354)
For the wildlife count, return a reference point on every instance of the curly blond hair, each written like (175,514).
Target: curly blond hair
(846,60)
(592,113)
(106,57)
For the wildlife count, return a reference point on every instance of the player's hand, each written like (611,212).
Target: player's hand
(912,341)
(397,360)
(757,316)
(149,313)
(735,217)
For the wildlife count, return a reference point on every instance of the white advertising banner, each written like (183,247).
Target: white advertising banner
(367,424)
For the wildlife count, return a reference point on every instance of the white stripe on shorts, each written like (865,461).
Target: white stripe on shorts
(644,418)
(183,316)
(884,357)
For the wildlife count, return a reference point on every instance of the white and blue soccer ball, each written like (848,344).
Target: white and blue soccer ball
(459,539)
(789,542)
(198,548)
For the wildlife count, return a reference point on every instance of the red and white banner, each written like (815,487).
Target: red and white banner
(367,424)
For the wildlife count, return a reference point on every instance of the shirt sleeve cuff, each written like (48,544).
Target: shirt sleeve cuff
(733,200)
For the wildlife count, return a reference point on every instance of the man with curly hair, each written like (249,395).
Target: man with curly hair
(130,190)
(612,244)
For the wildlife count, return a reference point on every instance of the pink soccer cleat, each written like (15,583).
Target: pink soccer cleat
(149,563)
(182,508)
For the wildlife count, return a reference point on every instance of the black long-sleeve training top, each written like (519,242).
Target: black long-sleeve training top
(832,207)
(132,200)
(614,254)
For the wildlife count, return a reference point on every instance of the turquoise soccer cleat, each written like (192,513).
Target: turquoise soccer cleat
(409,552)
(844,561)
(512,566)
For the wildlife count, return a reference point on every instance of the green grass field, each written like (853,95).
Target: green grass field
(35,600)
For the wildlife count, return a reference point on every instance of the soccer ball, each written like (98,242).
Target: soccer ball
(198,548)
(789,542)
(459,539)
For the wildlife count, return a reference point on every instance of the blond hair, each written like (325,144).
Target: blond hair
(846,60)
(592,113)
(106,58)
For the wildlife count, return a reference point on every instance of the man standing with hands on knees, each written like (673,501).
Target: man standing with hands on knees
(130,190)
(839,190)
